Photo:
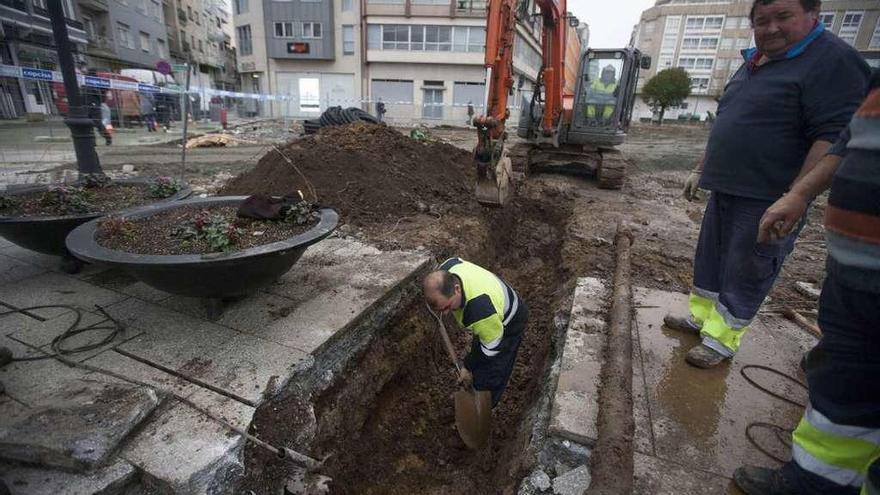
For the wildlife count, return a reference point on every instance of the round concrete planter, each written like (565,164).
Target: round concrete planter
(212,277)
(46,234)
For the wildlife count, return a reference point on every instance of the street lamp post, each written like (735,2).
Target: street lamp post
(77,114)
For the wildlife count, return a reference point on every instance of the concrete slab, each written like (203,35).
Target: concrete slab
(46,261)
(181,451)
(35,481)
(54,288)
(121,281)
(172,339)
(13,270)
(117,363)
(575,408)
(78,428)
(653,476)
(699,416)
(574,482)
(331,286)
(32,382)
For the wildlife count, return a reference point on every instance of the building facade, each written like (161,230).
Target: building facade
(200,33)
(123,34)
(706,39)
(26,40)
(424,59)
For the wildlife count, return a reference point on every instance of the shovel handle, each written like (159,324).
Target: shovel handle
(446,342)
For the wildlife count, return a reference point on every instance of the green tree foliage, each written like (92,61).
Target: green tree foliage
(666,89)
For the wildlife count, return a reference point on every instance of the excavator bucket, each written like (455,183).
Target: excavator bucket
(494,187)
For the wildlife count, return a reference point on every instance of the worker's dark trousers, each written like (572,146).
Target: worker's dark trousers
(839,435)
(493,373)
(733,273)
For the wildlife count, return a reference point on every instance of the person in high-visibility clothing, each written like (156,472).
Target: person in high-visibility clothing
(837,441)
(602,95)
(483,303)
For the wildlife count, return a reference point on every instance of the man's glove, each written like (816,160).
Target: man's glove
(692,184)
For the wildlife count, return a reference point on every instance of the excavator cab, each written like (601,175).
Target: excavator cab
(604,96)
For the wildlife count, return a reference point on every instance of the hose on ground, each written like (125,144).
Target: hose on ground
(782,434)
(114,328)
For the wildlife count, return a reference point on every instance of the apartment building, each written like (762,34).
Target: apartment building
(123,33)
(26,40)
(423,58)
(200,33)
(706,37)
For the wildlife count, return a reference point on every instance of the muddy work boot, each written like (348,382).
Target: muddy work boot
(684,324)
(703,357)
(755,480)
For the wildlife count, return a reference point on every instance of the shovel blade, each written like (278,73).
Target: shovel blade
(473,417)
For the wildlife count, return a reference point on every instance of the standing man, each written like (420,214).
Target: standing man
(470,113)
(838,437)
(778,116)
(484,304)
(380,110)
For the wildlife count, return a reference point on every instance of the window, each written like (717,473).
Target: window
(468,92)
(696,63)
(849,28)
(284,30)
(703,23)
(245,46)
(723,64)
(240,6)
(198,18)
(347,5)
(391,91)
(309,94)
(745,23)
(140,7)
(699,43)
(311,30)
(875,38)
(145,41)
(704,64)
(699,84)
(160,49)
(155,10)
(690,43)
(438,38)
(124,35)
(732,23)
(726,43)
(827,18)
(88,26)
(395,37)
(708,43)
(374,36)
(426,38)
(201,48)
(476,39)
(347,40)
(189,12)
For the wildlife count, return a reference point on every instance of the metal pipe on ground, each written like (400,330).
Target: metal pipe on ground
(611,462)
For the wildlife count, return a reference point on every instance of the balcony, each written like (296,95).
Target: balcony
(100,44)
(95,5)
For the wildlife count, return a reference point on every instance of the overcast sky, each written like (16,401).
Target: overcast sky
(611,22)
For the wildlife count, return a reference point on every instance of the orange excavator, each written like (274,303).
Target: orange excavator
(579,111)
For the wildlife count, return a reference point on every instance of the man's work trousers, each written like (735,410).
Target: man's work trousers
(733,273)
(493,373)
(838,437)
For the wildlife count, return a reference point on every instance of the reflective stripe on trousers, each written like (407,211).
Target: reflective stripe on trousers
(721,331)
(838,453)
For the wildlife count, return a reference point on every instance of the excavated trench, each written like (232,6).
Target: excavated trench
(387,420)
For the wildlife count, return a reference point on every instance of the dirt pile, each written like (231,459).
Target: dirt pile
(368,173)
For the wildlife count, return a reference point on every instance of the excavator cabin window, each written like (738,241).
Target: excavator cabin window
(600,90)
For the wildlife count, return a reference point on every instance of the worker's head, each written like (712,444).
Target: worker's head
(442,291)
(608,74)
(781,24)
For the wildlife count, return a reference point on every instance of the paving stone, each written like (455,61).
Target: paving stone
(128,367)
(121,281)
(54,288)
(46,261)
(36,481)
(653,476)
(79,427)
(246,364)
(4,243)
(186,453)
(174,340)
(575,409)
(574,482)
(13,270)
(32,382)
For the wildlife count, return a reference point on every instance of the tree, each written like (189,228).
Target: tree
(666,89)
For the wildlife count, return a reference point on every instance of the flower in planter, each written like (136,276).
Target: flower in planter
(118,227)
(164,187)
(215,230)
(300,213)
(67,199)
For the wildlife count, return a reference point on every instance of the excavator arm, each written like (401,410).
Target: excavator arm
(490,156)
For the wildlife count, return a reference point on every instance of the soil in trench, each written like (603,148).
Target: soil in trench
(389,423)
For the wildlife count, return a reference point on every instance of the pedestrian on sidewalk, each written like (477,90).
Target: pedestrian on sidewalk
(778,116)
(93,99)
(380,110)
(470,113)
(148,111)
(838,437)
(484,304)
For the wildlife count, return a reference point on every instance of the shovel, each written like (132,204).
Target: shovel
(473,408)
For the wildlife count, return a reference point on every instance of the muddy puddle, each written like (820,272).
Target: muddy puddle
(387,423)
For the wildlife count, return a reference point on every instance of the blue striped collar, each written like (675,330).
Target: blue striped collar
(797,49)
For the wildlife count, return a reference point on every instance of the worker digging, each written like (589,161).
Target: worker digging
(535,286)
